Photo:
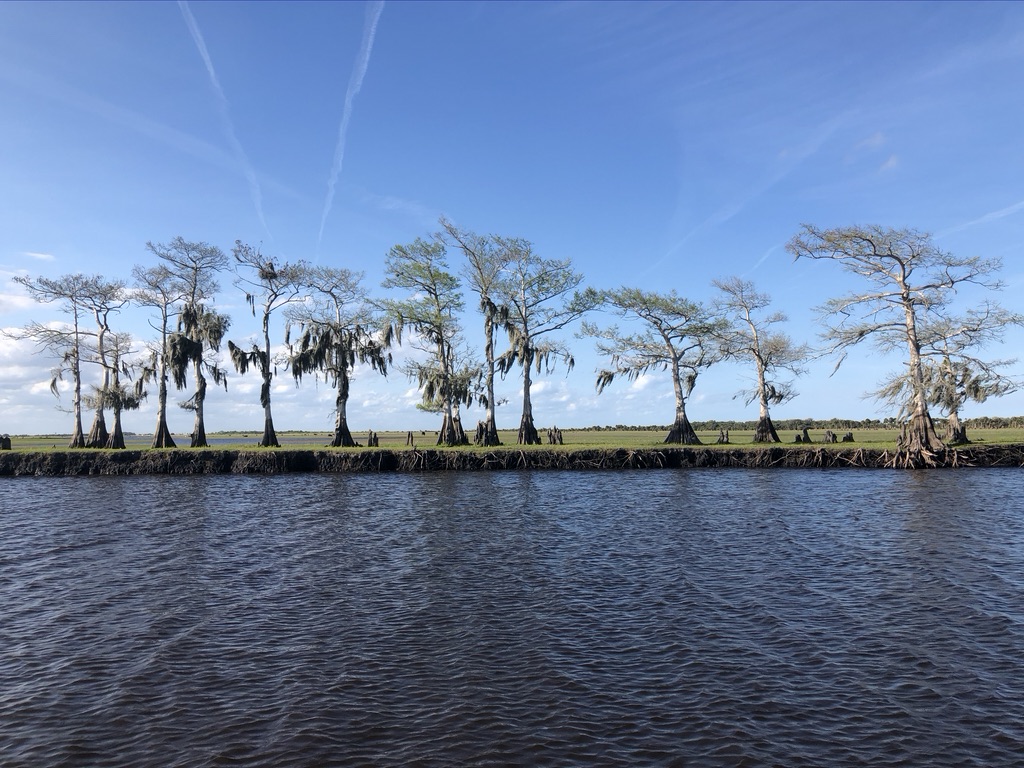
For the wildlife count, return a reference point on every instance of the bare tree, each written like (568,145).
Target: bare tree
(952,369)
(541,298)
(486,260)
(337,330)
(272,287)
(200,329)
(749,334)
(66,342)
(910,284)
(676,337)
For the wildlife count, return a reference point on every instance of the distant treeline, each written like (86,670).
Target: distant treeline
(981,422)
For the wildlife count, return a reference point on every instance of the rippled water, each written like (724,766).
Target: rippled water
(741,618)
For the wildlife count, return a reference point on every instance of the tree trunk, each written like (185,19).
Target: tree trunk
(199,427)
(765,432)
(682,431)
(162,435)
(489,436)
(342,436)
(527,431)
(98,434)
(460,433)
(956,432)
(918,435)
(452,433)
(199,436)
(78,436)
(487,432)
(269,435)
(116,437)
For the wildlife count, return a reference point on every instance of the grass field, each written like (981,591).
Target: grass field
(868,438)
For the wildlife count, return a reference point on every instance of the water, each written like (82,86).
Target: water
(739,618)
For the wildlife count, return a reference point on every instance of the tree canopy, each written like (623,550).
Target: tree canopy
(904,301)
(431,312)
(748,333)
(271,287)
(541,297)
(676,336)
(337,331)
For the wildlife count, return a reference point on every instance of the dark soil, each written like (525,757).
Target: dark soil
(272,461)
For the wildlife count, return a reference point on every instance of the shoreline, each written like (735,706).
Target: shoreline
(73,463)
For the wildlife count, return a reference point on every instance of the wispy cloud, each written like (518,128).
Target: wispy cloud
(784,163)
(40,256)
(225,113)
(355,83)
(423,214)
(42,85)
(764,258)
(874,141)
(1003,46)
(1002,213)
(892,162)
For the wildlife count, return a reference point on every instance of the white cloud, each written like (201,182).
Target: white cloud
(641,383)
(889,164)
(243,387)
(43,387)
(40,256)
(14,302)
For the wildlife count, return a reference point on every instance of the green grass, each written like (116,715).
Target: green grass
(574,439)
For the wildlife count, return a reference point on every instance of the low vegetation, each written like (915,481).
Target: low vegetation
(573,439)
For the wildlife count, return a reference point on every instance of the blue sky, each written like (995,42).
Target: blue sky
(658,145)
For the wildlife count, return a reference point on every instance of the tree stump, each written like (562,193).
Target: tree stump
(798,439)
(5,442)
(807,436)
(848,437)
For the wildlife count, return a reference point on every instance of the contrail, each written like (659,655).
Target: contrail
(373,11)
(993,216)
(225,114)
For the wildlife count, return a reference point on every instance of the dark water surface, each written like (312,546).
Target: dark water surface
(792,618)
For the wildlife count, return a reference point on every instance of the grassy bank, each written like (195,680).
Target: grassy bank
(253,460)
(882,439)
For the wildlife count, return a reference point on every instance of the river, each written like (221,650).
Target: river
(676,618)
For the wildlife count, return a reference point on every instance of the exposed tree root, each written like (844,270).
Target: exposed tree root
(263,461)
